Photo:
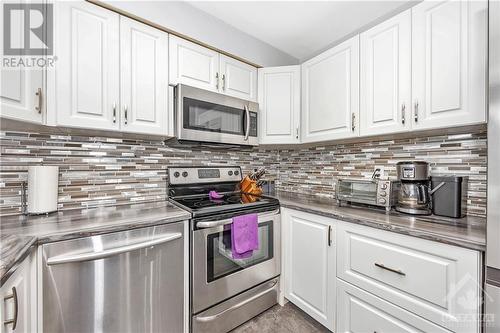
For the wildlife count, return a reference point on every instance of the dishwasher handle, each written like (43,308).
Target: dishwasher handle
(64,259)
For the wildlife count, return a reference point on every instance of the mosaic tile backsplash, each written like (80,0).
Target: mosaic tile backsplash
(97,171)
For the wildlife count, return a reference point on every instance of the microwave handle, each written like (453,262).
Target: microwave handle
(247,129)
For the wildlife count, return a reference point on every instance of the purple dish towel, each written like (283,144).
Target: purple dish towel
(244,236)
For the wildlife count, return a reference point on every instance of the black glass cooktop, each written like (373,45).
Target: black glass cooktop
(199,204)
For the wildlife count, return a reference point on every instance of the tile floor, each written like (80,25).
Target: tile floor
(286,319)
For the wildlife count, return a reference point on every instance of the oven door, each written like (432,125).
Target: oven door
(216,276)
(212,117)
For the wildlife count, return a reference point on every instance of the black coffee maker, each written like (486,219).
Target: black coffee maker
(414,196)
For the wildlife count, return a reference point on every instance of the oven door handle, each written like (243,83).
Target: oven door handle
(213,224)
(239,305)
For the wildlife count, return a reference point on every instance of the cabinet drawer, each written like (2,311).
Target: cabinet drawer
(377,315)
(436,281)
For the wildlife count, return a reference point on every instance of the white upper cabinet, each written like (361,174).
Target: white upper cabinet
(385,62)
(449,44)
(87,86)
(201,67)
(330,94)
(144,78)
(22,90)
(193,64)
(279,105)
(238,79)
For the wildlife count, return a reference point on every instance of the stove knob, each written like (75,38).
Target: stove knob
(230,173)
(176,174)
(236,172)
(184,174)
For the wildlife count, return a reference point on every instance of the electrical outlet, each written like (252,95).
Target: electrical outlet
(381,172)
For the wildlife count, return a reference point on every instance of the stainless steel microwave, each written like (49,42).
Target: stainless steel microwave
(205,116)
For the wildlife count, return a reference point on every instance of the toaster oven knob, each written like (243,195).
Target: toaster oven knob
(176,174)
(236,172)
(382,201)
(383,186)
(184,174)
(383,193)
(230,173)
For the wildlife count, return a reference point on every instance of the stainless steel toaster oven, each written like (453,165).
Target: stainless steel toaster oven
(376,192)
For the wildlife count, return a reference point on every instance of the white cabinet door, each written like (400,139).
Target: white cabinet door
(449,44)
(193,64)
(87,67)
(19,291)
(21,88)
(359,311)
(330,91)
(238,79)
(144,78)
(279,105)
(385,93)
(310,264)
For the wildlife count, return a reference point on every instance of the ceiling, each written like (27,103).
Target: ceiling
(301,28)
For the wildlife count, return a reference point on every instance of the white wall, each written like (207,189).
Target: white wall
(187,20)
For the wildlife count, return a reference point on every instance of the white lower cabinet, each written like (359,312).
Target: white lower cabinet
(309,254)
(355,278)
(438,282)
(359,311)
(18,299)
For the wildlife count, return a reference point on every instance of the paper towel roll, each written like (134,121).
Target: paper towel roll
(43,183)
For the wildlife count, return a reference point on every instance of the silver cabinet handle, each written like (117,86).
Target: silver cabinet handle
(247,115)
(64,259)
(224,82)
(329,235)
(296,133)
(38,94)
(12,321)
(272,284)
(397,271)
(416,112)
(403,113)
(217,80)
(126,114)
(213,224)
(114,113)
(353,122)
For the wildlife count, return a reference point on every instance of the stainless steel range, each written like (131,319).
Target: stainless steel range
(225,292)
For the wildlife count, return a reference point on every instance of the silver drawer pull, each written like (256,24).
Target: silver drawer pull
(397,271)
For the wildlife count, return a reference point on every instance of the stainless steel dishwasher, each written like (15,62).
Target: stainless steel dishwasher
(129,281)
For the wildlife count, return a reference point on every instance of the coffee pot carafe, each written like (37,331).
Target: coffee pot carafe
(414,196)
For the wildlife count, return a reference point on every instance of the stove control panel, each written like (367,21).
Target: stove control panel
(204,175)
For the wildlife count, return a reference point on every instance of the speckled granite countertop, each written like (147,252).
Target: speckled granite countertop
(468,232)
(19,233)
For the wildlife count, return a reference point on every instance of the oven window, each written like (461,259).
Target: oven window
(209,117)
(219,256)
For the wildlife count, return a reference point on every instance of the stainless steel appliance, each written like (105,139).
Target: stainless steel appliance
(376,192)
(225,292)
(414,196)
(205,116)
(449,196)
(492,290)
(129,281)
